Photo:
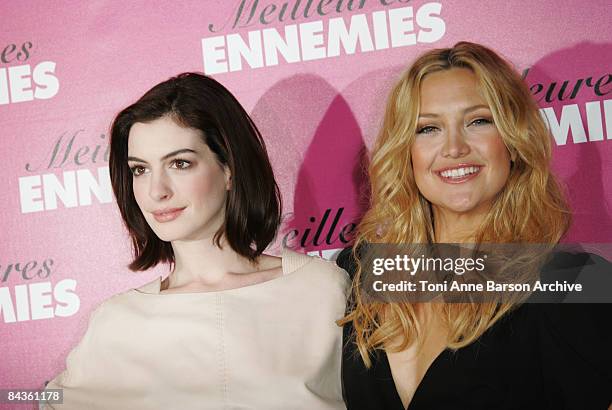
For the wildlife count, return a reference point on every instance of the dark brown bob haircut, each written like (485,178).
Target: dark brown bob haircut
(253,206)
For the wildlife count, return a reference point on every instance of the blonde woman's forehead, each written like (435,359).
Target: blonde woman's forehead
(450,90)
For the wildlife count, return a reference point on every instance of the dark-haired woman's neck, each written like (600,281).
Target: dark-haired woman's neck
(202,266)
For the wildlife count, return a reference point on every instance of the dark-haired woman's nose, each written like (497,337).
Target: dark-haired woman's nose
(160,188)
(455,144)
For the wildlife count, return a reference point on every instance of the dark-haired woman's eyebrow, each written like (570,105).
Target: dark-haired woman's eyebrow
(165,157)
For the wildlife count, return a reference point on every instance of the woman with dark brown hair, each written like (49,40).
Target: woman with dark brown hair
(229,327)
(463,157)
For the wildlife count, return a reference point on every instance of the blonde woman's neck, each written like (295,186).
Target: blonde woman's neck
(450,227)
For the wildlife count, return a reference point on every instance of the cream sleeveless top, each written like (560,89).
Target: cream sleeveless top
(272,345)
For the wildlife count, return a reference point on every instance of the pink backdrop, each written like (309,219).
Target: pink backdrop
(67,68)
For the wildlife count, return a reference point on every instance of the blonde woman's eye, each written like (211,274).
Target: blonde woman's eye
(481,121)
(181,164)
(137,170)
(426,130)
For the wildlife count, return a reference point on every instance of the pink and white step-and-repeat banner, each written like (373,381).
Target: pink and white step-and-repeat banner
(314,75)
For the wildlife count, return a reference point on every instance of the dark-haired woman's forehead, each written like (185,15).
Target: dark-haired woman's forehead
(162,139)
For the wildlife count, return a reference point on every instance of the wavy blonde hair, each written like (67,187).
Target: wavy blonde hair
(530,208)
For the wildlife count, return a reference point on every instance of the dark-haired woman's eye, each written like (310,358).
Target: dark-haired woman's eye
(137,170)
(181,164)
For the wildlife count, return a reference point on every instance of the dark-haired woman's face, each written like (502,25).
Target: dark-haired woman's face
(459,159)
(178,184)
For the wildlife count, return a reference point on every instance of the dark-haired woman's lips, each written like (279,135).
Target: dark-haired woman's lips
(459,174)
(168,214)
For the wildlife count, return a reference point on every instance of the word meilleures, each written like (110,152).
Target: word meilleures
(314,40)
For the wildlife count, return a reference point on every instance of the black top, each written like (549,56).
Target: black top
(538,356)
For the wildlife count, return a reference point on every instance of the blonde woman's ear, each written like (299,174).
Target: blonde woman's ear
(513,154)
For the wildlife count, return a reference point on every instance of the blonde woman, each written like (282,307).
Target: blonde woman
(463,157)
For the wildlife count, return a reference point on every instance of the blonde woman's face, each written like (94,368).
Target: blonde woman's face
(459,160)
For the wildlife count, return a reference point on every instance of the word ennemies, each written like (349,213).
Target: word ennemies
(75,188)
(71,188)
(20,83)
(315,40)
(570,119)
(36,300)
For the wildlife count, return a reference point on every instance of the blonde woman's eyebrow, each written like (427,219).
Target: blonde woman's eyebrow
(426,114)
(165,157)
(475,107)
(465,111)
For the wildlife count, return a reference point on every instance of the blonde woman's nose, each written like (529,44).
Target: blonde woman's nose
(455,144)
